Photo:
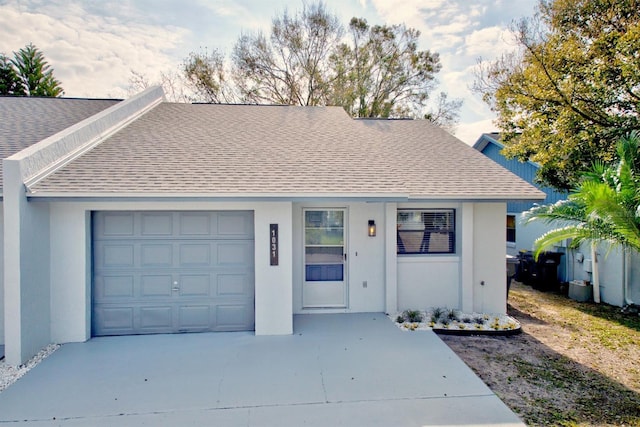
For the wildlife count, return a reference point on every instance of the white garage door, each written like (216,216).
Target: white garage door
(170,272)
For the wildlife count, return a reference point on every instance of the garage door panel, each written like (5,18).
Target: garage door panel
(195,254)
(195,285)
(156,318)
(232,253)
(153,285)
(195,279)
(156,224)
(194,316)
(115,256)
(232,316)
(234,284)
(115,224)
(195,224)
(114,286)
(156,255)
(115,318)
(235,224)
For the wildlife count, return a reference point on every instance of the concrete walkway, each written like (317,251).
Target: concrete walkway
(335,370)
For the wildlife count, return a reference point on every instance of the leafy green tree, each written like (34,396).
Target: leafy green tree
(382,73)
(605,206)
(207,77)
(34,74)
(9,83)
(572,89)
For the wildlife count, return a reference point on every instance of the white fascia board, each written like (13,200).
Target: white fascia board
(50,154)
(471,198)
(390,197)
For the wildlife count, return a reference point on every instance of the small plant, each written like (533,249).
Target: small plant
(413,326)
(466,320)
(453,315)
(400,319)
(436,314)
(510,326)
(412,316)
(479,320)
(462,326)
(478,326)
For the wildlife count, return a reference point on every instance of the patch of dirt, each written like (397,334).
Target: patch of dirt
(575,364)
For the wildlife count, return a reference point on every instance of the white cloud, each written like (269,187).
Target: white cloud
(490,42)
(93,46)
(471,131)
(91,55)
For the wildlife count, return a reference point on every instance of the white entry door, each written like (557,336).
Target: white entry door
(325,282)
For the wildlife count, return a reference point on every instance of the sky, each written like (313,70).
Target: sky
(93,46)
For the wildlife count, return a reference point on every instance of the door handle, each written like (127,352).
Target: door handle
(345,256)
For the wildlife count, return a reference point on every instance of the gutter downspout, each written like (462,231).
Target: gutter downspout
(626,266)
(596,276)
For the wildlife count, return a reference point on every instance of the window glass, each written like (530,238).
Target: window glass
(511,228)
(426,231)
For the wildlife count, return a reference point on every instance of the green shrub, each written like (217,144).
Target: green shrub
(412,315)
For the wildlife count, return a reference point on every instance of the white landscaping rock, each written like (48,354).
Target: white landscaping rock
(10,374)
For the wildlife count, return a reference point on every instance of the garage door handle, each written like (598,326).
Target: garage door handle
(175,289)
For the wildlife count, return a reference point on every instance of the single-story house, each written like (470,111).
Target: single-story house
(25,121)
(618,273)
(156,217)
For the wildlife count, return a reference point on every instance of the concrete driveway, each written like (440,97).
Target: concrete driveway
(335,370)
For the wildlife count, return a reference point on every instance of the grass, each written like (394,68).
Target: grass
(575,364)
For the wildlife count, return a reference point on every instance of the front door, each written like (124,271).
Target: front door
(325,282)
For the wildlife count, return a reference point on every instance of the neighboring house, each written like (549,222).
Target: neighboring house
(25,121)
(619,275)
(518,236)
(154,217)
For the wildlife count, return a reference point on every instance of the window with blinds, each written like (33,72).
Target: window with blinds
(426,231)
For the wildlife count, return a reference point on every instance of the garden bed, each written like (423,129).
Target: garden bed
(452,322)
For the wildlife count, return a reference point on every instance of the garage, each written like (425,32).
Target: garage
(172,272)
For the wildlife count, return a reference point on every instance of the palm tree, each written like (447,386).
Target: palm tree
(605,207)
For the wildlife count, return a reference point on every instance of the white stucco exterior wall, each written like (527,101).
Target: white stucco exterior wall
(70,273)
(489,264)
(426,281)
(71,263)
(611,266)
(633,295)
(274,288)
(391,258)
(26,272)
(28,320)
(1,274)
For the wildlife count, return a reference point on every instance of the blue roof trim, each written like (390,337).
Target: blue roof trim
(489,145)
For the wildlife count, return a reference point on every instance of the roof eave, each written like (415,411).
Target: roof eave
(235,197)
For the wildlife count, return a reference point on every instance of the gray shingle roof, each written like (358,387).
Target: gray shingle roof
(206,149)
(25,121)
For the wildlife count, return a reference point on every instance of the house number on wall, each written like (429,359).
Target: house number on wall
(274,243)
